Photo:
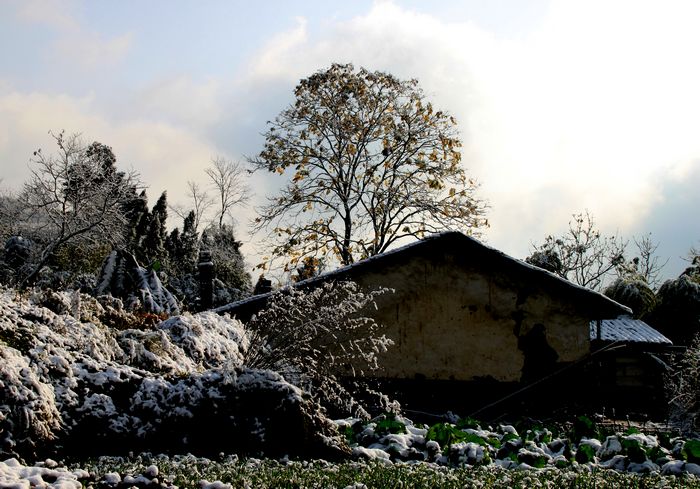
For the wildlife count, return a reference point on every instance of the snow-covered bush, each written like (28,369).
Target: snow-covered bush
(225,294)
(28,413)
(677,311)
(684,388)
(547,259)
(314,336)
(140,289)
(17,251)
(633,293)
(232,280)
(72,385)
(14,258)
(185,287)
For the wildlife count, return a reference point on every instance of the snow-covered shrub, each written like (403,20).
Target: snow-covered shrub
(186,288)
(140,289)
(54,301)
(207,338)
(185,343)
(229,264)
(314,336)
(684,388)
(28,412)
(89,389)
(677,313)
(84,282)
(547,259)
(225,294)
(14,258)
(635,294)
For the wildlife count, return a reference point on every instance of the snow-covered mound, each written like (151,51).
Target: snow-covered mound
(72,385)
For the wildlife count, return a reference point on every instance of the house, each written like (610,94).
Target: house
(470,324)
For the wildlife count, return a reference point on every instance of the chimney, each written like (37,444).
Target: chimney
(206,280)
(263,286)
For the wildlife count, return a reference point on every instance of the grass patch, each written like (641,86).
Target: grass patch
(188,471)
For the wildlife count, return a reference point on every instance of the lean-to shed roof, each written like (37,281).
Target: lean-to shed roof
(628,330)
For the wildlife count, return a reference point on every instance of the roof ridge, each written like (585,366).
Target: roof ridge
(431,239)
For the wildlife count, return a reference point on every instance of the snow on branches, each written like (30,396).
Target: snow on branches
(314,336)
(84,376)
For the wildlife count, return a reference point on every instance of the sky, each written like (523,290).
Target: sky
(563,106)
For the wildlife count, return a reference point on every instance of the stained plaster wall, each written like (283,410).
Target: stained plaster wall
(451,321)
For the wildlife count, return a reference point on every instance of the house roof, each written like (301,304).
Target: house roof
(469,250)
(628,330)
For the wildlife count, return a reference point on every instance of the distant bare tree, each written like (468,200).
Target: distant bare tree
(230,184)
(694,256)
(74,196)
(199,203)
(583,255)
(647,264)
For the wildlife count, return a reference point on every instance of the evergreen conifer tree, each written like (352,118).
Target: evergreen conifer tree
(160,210)
(189,244)
(136,211)
(229,265)
(183,247)
(152,250)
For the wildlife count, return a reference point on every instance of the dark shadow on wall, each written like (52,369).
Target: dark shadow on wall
(540,359)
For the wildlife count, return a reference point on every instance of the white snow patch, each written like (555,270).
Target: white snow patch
(205,484)
(372,454)
(15,475)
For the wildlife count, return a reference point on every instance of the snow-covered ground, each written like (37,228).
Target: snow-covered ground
(81,376)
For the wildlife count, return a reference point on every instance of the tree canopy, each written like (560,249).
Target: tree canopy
(76,196)
(582,255)
(369,162)
(677,314)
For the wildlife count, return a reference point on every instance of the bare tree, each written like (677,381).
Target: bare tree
(200,202)
(582,255)
(647,264)
(74,196)
(371,162)
(693,256)
(230,184)
(683,386)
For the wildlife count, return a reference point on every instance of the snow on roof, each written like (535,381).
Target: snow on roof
(446,235)
(627,330)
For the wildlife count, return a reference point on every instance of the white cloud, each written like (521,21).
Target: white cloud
(273,60)
(89,50)
(165,155)
(75,44)
(49,13)
(585,111)
(183,100)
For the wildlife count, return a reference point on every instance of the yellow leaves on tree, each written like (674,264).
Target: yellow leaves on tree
(374,162)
